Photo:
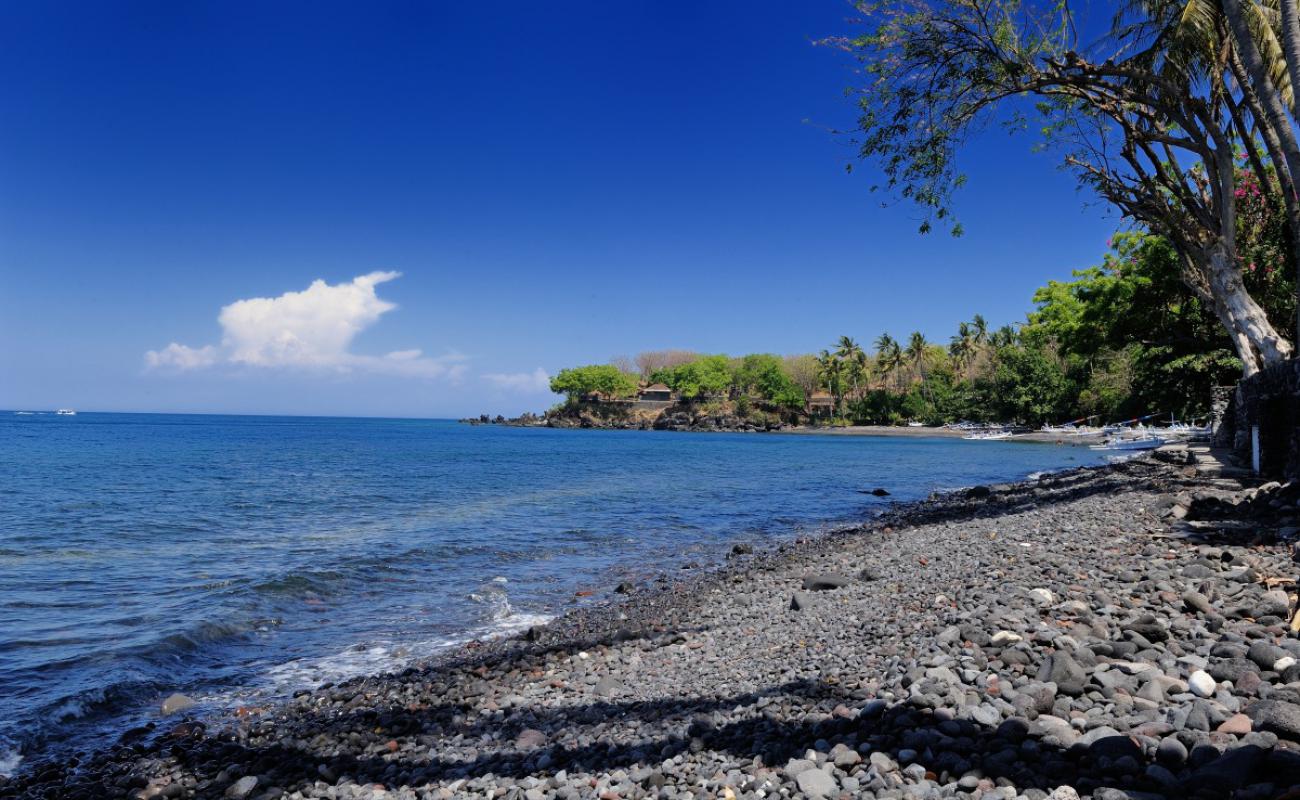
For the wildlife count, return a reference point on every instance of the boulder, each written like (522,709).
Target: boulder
(1274,604)
(1062,670)
(242,788)
(816,784)
(1276,716)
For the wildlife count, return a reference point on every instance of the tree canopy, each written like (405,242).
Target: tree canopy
(604,379)
(1157,116)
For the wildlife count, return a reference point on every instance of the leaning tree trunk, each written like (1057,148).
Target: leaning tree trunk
(1258,342)
(1274,109)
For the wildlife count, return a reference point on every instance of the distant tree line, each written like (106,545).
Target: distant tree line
(1123,338)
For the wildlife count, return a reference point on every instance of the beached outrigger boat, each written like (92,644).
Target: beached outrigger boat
(989,435)
(1146,442)
(1071,428)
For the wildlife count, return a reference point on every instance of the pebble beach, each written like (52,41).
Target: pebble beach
(1112,632)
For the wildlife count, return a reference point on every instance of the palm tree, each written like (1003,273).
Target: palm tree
(850,352)
(962,347)
(862,367)
(916,352)
(1003,337)
(979,330)
(831,371)
(889,356)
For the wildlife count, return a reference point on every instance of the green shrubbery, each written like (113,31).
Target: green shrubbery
(1121,339)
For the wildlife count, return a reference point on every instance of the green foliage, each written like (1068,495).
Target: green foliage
(604,379)
(765,375)
(1120,339)
(1138,340)
(706,376)
(1032,385)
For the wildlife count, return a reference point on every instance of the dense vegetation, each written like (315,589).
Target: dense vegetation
(1180,115)
(1123,338)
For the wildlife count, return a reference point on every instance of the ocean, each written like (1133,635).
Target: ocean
(237,559)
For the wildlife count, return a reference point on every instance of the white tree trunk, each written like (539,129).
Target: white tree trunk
(1258,343)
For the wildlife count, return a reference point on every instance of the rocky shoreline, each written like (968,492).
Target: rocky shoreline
(676,418)
(1112,632)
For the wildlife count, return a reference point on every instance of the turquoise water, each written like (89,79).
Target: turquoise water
(239,558)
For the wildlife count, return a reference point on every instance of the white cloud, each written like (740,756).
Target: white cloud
(534,382)
(310,329)
(178,356)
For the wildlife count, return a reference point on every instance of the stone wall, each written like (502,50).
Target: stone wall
(1270,402)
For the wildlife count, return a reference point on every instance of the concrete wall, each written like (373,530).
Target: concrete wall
(1262,424)
(652,405)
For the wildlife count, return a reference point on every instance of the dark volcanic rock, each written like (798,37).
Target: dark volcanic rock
(1065,672)
(1276,716)
(821,583)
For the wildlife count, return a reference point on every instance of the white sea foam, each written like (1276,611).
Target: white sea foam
(9,761)
(72,708)
(389,656)
(374,658)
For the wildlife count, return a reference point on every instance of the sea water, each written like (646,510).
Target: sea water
(237,559)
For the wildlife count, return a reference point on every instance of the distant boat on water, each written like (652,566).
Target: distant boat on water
(66,412)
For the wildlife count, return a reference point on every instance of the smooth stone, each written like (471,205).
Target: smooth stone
(1195,601)
(176,703)
(1149,628)
(1042,596)
(1065,672)
(1201,684)
(1238,724)
(1264,654)
(799,601)
(242,788)
(1171,751)
(1274,604)
(815,783)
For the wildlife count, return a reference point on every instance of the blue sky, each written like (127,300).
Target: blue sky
(555,183)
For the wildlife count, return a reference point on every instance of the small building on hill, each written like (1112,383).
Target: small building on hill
(656,393)
(821,403)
